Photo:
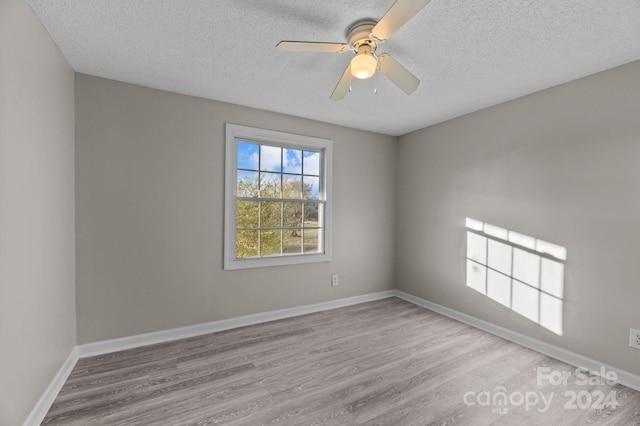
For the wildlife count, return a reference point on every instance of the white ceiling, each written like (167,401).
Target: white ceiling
(469,54)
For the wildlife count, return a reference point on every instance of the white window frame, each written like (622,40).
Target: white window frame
(235,133)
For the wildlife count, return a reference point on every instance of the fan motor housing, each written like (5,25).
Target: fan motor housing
(359,34)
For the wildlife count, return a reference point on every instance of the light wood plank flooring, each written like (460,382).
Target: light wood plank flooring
(386,362)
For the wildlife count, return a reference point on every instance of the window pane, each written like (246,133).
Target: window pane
(499,256)
(270,185)
(270,243)
(526,267)
(247,184)
(270,215)
(292,161)
(311,188)
(311,163)
(291,186)
(246,244)
(292,215)
(499,287)
(310,215)
(292,241)
(477,247)
(476,277)
(247,214)
(248,155)
(270,158)
(311,241)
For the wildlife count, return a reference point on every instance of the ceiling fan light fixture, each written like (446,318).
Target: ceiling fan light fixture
(363,37)
(364,64)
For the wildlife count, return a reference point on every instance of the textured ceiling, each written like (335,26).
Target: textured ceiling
(469,54)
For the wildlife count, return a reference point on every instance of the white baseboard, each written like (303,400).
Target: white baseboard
(113,345)
(43,405)
(625,378)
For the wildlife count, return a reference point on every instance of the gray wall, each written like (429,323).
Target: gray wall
(37,302)
(560,165)
(150,192)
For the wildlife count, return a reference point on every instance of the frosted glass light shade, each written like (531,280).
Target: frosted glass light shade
(363,65)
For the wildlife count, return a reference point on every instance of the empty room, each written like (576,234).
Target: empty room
(245,212)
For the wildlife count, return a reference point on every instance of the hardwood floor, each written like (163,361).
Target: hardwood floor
(386,362)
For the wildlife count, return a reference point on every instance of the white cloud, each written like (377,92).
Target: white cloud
(311,163)
(254,159)
(292,161)
(270,158)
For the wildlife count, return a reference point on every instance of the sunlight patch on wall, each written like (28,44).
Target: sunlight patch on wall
(523,273)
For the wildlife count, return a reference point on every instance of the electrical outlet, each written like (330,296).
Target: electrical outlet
(334,280)
(634,338)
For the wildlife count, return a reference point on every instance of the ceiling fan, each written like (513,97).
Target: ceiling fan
(364,37)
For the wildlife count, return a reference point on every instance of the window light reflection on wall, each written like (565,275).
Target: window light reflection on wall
(523,273)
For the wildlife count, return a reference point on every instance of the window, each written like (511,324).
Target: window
(523,273)
(277,198)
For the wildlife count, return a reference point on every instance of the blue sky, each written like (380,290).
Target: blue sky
(275,159)
(279,160)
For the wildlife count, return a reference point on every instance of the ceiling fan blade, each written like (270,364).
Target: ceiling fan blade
(397,15)
(343,85)
(398,74)
(311,46)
